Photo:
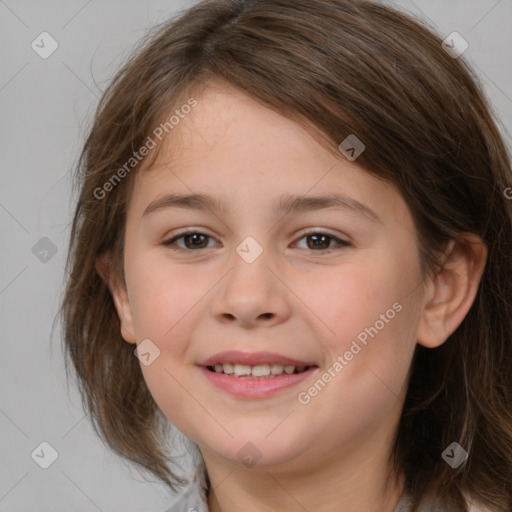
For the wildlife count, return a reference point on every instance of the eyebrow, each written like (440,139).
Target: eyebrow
(285,204)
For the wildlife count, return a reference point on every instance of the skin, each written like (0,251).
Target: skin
(332,453)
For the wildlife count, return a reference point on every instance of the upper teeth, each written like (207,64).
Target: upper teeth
(260,370)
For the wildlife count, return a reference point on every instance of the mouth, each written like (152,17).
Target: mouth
(260,371)
(255,375)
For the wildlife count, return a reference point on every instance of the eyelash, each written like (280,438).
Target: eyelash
(341,243)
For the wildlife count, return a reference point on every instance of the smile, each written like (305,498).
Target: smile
(258,371)
(251,375)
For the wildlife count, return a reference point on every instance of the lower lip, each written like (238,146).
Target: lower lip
(256,387)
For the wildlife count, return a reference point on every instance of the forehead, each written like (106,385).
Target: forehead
(231,145)
(228,124)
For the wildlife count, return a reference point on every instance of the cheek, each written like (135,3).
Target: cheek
(352,299)
(166,305)
(338,304)
(161,295)
(168,317)
(372,318)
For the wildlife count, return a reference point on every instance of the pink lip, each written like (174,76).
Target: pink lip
(255,387)
(252,359)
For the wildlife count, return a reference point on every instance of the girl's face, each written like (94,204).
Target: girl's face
(330,285)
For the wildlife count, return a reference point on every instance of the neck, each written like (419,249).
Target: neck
(331,486)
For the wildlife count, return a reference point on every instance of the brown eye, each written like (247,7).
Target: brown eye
(318,241)
(192,240)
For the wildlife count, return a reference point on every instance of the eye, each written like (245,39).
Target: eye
(192,239)
(320,241)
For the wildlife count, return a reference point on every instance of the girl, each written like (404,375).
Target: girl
(292,242)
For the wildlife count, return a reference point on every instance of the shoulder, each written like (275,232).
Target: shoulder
(194,497)
(427,505)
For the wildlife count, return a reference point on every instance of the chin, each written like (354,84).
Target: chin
(254,450)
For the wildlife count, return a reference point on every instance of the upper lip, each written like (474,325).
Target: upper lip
(253,359)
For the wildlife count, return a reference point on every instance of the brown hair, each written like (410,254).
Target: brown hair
(339,67)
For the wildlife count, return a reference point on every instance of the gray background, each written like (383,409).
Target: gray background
(46,105)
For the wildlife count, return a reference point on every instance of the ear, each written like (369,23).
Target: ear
(452,290)
(119,295)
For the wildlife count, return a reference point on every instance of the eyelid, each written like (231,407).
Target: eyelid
(187,231)
(322,231)
(319,231)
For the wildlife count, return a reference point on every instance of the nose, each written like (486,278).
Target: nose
(252,294)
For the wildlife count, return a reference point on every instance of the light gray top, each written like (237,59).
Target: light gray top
(194,499)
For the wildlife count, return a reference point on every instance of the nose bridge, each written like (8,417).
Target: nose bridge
(250,258)
(250,291)
(250,278)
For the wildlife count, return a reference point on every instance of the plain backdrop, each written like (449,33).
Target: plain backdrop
(45,107)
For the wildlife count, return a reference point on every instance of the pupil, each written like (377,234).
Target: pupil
(193,236)
(316,237)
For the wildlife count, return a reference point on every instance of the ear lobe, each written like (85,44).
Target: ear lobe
(119,296)
(452,290)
